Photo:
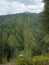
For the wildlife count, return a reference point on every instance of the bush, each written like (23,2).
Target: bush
(37,60)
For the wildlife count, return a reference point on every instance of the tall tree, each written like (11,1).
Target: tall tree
(45,16)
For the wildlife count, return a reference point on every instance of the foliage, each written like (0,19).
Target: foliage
(5,52)
(21,34)
(36,60)
(45,16)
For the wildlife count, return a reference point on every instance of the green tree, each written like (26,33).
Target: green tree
(45,16)
(5,51)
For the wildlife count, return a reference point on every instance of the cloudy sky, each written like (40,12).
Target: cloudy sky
(19,6)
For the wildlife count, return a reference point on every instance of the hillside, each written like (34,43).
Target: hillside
(21,33)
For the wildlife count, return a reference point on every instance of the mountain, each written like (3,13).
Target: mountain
(21,31)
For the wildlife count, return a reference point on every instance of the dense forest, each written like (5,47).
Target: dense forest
(24,37)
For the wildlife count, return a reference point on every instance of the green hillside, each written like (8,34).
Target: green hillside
(21,34)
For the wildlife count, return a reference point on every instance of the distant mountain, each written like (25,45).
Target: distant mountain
(3,17)
(22,31)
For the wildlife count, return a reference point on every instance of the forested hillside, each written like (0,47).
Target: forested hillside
(21,35)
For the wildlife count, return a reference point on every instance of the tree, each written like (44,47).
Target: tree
(5,51)
(45,16)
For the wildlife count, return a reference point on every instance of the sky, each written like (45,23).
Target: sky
(20,6)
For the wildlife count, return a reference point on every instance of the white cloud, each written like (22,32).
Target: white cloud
(17,7)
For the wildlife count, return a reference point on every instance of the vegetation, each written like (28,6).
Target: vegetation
(45,16)
(24,39)
(35,60)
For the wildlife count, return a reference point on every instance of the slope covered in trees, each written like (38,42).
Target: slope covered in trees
(21,34)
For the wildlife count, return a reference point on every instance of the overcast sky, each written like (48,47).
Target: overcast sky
(19,6)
